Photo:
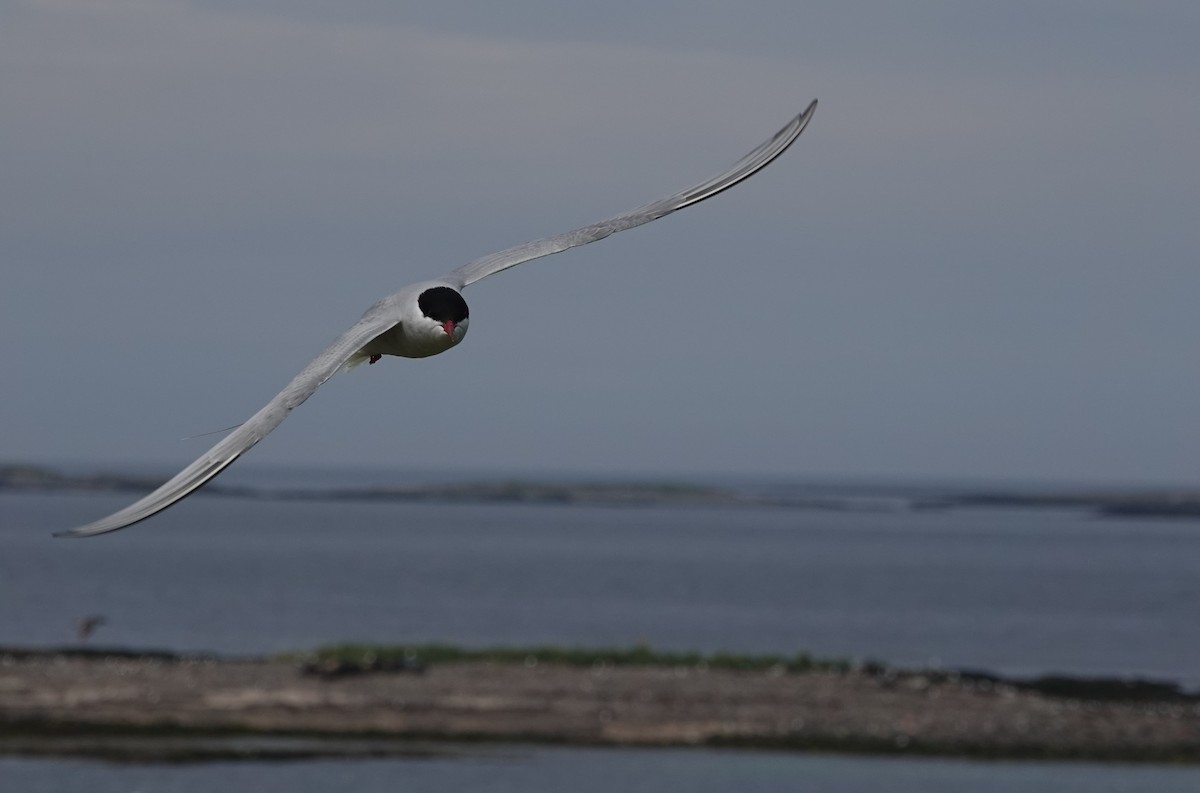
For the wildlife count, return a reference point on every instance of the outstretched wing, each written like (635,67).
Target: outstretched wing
(745,167)
(375,321)
(379,319)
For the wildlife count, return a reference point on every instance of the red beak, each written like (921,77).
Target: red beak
(449,327)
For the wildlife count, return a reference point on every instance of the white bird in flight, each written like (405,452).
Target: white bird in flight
(418,321)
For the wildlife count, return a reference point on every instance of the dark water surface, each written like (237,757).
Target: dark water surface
(1016,591)
(519,770)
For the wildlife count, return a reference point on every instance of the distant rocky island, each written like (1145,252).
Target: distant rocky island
(30,478)
(1145,503)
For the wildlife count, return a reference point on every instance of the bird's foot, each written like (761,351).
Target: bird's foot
(374,358)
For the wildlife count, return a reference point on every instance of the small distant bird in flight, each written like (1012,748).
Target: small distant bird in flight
(87,626)
(422,320)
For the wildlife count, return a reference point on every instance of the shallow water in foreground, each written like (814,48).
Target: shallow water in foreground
(528,770)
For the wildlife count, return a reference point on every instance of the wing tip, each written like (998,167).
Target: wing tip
(84,531)
(167,495)
(805,116)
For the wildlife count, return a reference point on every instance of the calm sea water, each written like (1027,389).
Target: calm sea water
(1015,591)
(518,770)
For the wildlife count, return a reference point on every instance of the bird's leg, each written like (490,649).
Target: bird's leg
(374,358)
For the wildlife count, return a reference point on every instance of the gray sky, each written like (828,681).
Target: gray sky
(979,261)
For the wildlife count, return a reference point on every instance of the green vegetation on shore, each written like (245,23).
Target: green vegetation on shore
(349,658)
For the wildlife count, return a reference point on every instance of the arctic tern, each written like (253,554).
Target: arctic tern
(424,319)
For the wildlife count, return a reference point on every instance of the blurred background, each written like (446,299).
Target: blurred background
(979,260)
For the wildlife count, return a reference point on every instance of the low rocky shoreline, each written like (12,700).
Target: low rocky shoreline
(162,707)
(1159,503)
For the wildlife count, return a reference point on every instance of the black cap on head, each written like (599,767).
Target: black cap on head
(443,304)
